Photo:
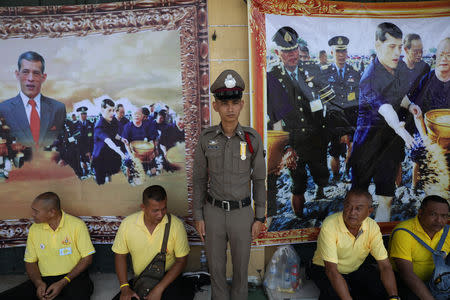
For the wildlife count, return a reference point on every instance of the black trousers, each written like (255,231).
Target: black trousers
(80,288)
(364,283)
(403,290)
(179,289)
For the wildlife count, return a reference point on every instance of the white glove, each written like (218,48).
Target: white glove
(391,118)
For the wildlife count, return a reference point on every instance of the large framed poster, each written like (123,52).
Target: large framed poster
(320,71)
(101,69)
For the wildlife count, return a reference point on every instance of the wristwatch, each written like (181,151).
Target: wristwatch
(262,220)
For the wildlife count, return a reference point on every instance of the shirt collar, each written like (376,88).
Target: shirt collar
(36,99)
(61,222)
(293,72)
(140,221)
(344,228)
(419,228)
(238,131)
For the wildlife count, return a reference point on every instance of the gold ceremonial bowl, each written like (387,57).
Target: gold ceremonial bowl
(143,150)
(276,141)
(438,126)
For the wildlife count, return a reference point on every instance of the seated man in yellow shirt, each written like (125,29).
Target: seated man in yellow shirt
(58,253)
(141,234)
(345,240)
(412,262)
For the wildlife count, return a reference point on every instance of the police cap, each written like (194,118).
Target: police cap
(82,109)
(339,42)
(286,38)
(228,86)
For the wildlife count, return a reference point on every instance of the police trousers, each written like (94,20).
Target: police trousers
(232,226)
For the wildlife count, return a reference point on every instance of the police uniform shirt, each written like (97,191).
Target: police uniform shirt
(86,129)
(58,251)
(345,86)
(228,165)
(290,101)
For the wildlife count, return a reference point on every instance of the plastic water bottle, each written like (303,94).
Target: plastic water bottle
(294,277)
(203,261)
(272,276)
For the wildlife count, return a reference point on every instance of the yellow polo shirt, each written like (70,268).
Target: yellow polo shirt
(133,237)
(403,245)
(337,245)
(58,251)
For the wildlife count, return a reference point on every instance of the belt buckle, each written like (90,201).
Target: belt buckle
(227,206)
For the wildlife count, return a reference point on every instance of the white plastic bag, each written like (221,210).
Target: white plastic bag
(282,273)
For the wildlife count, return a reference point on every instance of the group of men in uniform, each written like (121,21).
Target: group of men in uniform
(330,109)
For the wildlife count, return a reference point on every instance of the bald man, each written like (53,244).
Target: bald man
(59,251)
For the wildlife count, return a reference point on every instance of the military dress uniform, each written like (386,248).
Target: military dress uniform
(227,165)
(342,111)
(292,98)
(85,140)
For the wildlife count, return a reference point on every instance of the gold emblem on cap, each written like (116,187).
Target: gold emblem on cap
(340,42)
(287,37)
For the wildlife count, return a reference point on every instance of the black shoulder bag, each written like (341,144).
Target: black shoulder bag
(155,270)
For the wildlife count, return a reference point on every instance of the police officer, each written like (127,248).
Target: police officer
(227,158)
(293,105)
(342,111)
(85,140)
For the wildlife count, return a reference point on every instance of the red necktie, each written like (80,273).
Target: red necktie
(35,122)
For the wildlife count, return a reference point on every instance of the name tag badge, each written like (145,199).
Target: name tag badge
(351,96)
(316,105)
(65,251)
(243,150)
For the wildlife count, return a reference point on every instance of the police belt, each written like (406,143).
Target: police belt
(229,204)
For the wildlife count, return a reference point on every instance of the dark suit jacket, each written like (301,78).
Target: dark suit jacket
(52,116)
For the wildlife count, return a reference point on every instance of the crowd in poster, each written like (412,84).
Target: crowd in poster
(347,108)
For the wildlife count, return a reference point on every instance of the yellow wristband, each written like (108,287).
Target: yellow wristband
(67,278)
(125,284)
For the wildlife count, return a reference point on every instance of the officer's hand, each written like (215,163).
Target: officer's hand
(290,159)
(345,139)
(89,155)
(256,229)
(40,290)
(126,293)
(200,226)
(55,289)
